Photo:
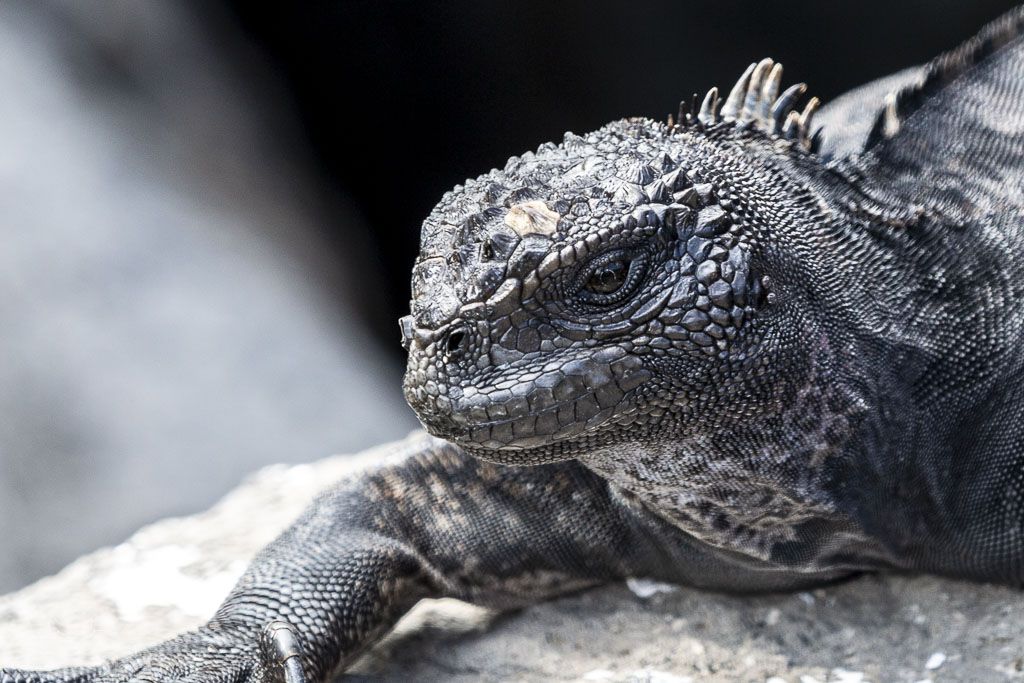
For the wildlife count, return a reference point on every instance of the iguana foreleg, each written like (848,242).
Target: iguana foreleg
(436,523)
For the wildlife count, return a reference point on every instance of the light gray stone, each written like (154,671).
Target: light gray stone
(170,576)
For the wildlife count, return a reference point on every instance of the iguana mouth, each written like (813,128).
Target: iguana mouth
(520,407)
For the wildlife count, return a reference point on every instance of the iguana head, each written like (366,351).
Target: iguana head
(613,286)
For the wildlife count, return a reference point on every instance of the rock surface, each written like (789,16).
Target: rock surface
(170,576)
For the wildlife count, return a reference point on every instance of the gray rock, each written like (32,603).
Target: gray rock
(171,314)
(170,576)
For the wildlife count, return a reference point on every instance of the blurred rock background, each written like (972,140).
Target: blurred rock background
(173,313)
(208,210)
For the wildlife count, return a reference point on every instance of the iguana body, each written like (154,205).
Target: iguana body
(738,355)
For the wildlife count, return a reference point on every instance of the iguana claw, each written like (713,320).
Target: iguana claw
(279,647)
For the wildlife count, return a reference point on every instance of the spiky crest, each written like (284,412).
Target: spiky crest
(755,102)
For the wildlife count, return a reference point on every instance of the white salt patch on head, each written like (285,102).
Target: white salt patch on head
(532,218)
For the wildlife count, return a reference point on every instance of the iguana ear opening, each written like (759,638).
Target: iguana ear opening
(754,102)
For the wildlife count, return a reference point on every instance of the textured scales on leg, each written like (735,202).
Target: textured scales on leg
(736,351)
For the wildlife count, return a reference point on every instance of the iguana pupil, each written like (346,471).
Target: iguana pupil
(608,278)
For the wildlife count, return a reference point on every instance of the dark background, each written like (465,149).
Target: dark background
(400,100)
(209,210)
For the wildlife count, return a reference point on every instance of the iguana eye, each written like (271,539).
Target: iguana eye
(611,278)
(608,278)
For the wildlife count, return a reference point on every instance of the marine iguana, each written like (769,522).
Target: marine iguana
(739,352)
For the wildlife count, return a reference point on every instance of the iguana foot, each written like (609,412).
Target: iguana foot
(213,654)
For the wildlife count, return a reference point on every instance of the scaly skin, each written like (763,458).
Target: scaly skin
(737,355)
